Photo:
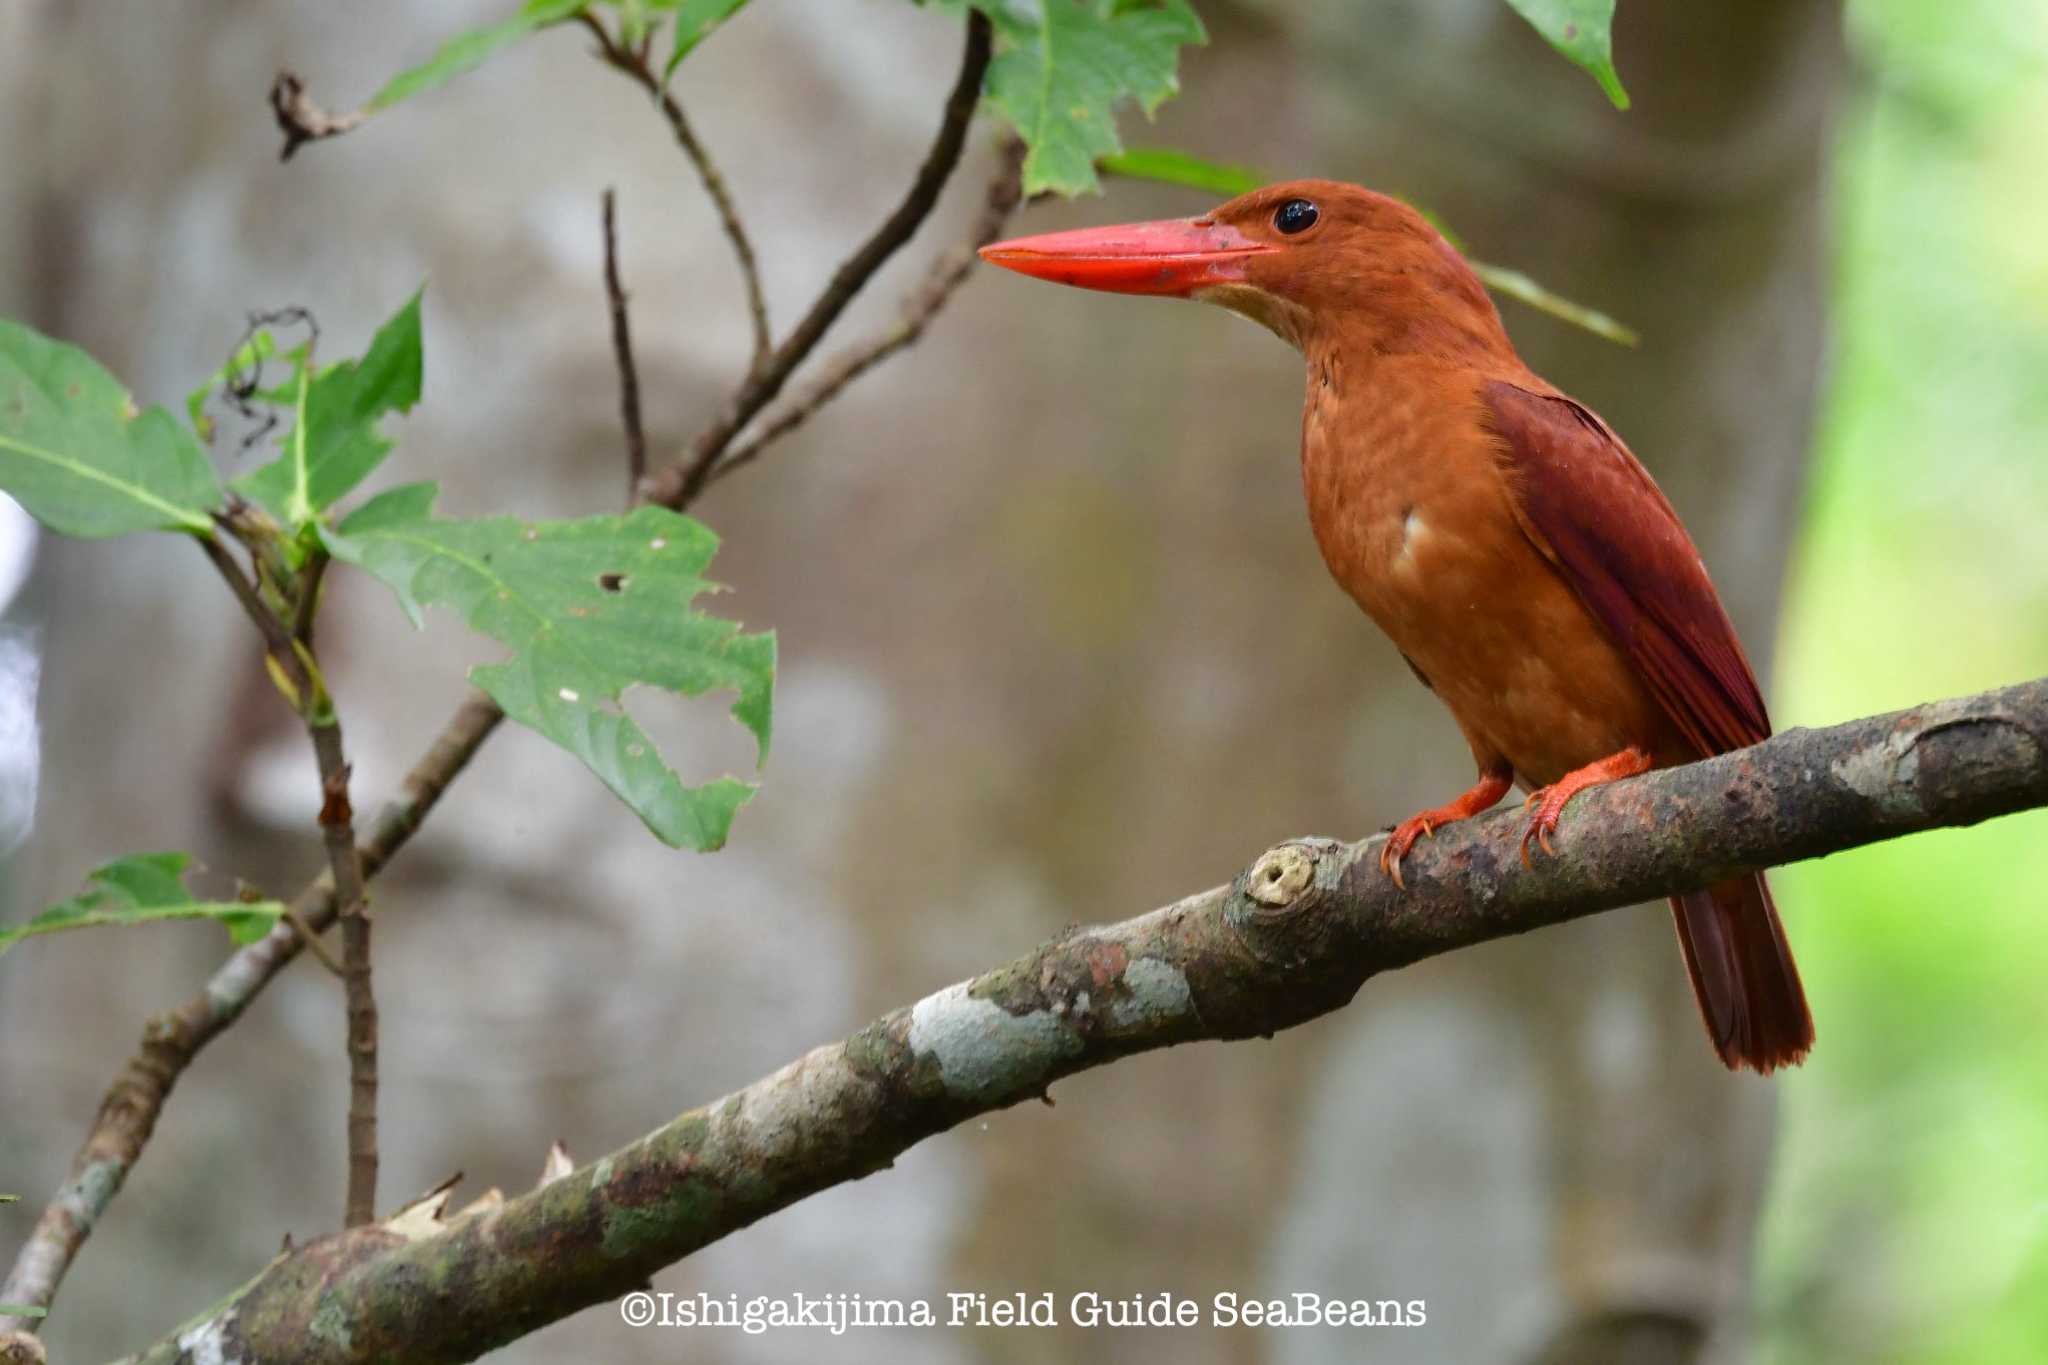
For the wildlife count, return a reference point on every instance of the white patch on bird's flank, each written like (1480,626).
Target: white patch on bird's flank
(1414,531)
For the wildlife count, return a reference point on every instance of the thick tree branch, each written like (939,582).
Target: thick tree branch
(1292,938)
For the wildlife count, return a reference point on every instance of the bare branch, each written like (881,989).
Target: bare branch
(946,275)
(635,65)
(128,1113)
(302,120)
(1294,937)
(276,638)
(291,651)
(679,484)
(337,828)
(622,354)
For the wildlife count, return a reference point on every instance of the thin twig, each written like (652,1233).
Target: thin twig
(129,1111)
(311,938)
(946,275)
(622,353)
(134,1100)
(310,579)
(302,120)
(295,660)
(635,65)
(337,827)
(276,639)
(678,484)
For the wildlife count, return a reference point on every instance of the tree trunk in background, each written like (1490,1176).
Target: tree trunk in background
(1041,569)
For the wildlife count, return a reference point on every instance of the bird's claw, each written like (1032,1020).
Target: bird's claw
(1544,823)
(1399,841)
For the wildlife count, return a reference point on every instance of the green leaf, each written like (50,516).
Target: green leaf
(1060,78)
(1178,168)
(334,444)
(76,454)
(470,50)
(1516,285)
(22,1310)
(694,21)
(1583,31)
(141,888)
(589,608)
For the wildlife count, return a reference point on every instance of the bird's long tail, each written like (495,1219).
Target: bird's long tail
(1742,972)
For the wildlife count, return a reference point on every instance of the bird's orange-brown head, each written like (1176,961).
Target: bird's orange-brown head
(1313,260)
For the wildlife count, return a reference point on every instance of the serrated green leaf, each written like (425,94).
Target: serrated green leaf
(470,50)
(589,608)
(695,19)
(1061,78)
(1582,30)
(334,443)
(1169,167)
(139,889)
(81,460)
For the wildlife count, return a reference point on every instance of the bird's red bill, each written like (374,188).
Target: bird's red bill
(1177,256)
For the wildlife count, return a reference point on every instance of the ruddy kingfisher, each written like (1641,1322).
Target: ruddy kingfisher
(1501,534)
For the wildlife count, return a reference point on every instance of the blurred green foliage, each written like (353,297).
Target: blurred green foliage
(1909,1212)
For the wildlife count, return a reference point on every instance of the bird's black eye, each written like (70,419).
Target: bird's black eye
(1296,215)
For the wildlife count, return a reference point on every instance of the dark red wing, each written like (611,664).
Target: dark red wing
(1595,513)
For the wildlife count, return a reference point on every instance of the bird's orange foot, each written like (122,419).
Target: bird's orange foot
(1493,784)
(1550,801)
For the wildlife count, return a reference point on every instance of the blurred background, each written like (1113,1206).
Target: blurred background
(1018,576)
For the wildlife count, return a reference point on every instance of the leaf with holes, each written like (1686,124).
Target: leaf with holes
(467,51)
(334,443)
(589,608)
(1583,31)
(77,455)
(140,889)
(1061,76)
